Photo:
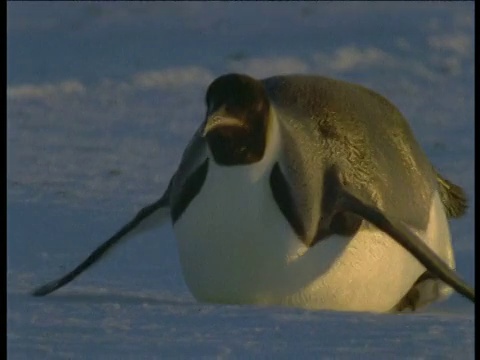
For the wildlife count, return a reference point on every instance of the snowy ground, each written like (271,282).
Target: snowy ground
(101,100)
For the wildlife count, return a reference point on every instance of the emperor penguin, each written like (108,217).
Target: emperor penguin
(305,191)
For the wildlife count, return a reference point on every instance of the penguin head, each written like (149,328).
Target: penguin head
(236,124)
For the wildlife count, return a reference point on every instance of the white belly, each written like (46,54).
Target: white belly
(236,247)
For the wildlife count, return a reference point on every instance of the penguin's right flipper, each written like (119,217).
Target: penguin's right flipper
(147,218)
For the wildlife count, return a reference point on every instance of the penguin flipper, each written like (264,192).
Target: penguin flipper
(148,217)
(397,230)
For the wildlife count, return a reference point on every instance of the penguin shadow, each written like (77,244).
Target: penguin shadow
(101,297)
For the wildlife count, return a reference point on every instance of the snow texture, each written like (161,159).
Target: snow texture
(101,100)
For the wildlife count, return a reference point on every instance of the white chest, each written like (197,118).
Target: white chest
(234,233)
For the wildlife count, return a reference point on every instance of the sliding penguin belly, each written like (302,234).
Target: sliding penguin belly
(236,246)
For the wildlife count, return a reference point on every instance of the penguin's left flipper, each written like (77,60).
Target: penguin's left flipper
(147,218)
(397,230)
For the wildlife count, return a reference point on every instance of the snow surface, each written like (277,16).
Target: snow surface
(101,100)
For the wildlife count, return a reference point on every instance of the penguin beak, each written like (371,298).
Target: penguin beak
(220,119)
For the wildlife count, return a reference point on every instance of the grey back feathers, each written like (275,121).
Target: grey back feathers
(329,122)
